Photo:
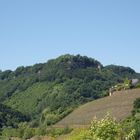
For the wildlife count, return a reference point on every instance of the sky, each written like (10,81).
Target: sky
(34,31)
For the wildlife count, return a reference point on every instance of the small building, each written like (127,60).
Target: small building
(124,86)
(134,82)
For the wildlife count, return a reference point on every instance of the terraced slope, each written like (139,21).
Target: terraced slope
(119,105)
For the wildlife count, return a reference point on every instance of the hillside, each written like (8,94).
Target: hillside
(119,105)
(10,117)
(47,92)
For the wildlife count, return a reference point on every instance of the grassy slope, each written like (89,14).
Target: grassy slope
(31,97)
(120,105)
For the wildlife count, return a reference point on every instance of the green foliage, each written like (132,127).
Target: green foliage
(48,92)
(137,103)
(55,132)
(49,119)
(19,133)
(105,129)
(133,121)
(10,117)
(123,71)
(23,131)
(80,134)
(26,101)
(26,132)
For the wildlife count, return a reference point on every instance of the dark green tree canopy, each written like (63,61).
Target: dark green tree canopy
(59,85)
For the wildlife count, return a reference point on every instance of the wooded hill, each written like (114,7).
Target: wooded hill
(47,92)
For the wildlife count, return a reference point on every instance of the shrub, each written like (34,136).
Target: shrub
(137,103)
(105,129)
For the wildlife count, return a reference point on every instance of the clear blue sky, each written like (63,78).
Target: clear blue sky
(33,31)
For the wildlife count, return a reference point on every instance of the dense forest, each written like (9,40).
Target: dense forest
(44,93)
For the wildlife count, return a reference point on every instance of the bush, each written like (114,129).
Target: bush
(28,133)
(105,129)
(61,131)
(137,103)
(49,119)
(41,131)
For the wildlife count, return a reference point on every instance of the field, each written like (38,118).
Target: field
(119,105)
